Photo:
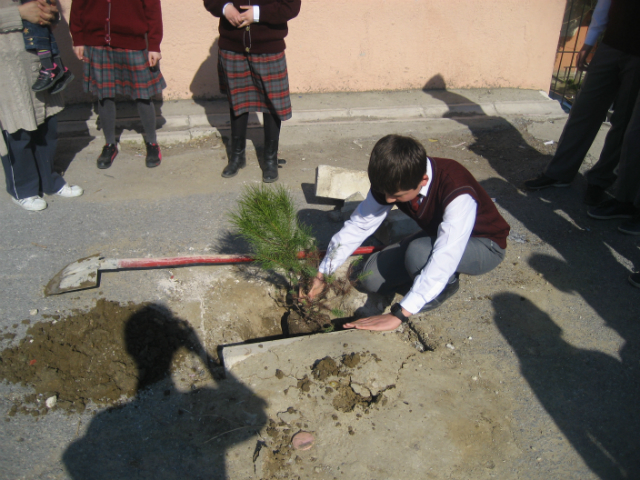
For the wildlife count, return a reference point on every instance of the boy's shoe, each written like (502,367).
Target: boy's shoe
(542,181)
(448,291)
(70,191)
(67,78)
(612,208)
(154,155)
(33,204)
(634,279)
(632,226)
(594,195)
(109,153)
(47,78)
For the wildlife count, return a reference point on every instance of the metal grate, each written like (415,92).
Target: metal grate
(566,79)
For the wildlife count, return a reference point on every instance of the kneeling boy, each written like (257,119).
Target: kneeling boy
(462,231)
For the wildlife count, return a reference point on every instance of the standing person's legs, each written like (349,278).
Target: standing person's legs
(107,113)
(45,144)
(602,173)
(237,160)
(587,114)
(272,126)
(396,266)
(147,112)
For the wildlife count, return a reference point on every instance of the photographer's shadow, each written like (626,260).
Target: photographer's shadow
(166,433)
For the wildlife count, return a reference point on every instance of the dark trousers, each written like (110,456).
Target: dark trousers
(612,77)
(627,186)
(399,264)
(28,167)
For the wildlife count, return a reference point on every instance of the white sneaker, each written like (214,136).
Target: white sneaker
(69,191)
(33,204)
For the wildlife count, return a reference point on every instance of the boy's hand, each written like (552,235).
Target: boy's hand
(584,52)
(317,287)
(379,323)
(154,58)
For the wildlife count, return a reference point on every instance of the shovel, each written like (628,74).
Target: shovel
(84,273)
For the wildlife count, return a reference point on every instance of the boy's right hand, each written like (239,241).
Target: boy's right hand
(316,288)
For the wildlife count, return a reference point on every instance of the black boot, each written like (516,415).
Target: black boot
(270,164)
(238,159)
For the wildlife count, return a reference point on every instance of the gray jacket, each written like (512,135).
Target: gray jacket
(20,107)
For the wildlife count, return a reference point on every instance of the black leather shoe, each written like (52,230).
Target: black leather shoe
(67,78)
(542,181)
(109,153)
(594,195)
(154,155)
(238,158)
(631,227)
(612,208)
(448,291)
(270,164)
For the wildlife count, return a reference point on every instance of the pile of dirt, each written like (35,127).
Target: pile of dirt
(103,355)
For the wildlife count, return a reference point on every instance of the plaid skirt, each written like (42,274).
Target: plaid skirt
(255,82)
(112,71)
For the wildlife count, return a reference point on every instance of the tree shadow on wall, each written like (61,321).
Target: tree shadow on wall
(165,433)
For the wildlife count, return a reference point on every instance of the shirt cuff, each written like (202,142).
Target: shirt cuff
(225,7)
(256,13)
(413,301)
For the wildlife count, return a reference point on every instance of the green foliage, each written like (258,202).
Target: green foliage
(336,312)
(266,217)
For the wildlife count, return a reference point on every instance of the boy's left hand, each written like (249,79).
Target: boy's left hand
(154,58)
(379,323)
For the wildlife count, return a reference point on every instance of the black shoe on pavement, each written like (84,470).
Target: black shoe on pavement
(270,163)
(154,155)
(448,291)
(594,195)
(612,208)
(47,78)
(67,78)
(109,152)
(542,181)
(632,226)
(238,158)
(634,279)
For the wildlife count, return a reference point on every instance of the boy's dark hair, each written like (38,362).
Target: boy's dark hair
(397,164)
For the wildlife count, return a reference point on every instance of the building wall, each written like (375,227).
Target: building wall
(363,45)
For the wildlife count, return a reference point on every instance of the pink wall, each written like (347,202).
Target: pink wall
(361,45)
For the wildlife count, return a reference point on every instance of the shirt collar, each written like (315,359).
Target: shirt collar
(424,190)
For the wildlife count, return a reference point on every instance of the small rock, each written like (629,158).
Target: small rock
(33,312)
(302,441)
(51,402)
(450,347)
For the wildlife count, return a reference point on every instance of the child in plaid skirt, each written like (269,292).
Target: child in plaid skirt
(111,37)
(252,71)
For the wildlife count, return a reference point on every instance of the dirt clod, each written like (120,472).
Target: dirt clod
(324,369)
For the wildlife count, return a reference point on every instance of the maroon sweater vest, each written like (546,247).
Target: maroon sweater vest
(622,28)
(449,180)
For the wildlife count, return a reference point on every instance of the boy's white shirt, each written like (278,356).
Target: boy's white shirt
(256,11)
(452,238)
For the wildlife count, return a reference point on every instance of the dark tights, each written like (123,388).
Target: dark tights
(146,110)
(271,126)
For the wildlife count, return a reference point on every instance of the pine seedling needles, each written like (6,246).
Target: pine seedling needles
(267,219)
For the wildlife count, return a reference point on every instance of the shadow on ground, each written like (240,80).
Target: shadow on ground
(591,396)
(164,432)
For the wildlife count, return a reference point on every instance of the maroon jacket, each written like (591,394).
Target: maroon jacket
(449,180)
(125,26)
(266,36)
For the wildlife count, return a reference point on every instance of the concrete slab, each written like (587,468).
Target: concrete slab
(340,183)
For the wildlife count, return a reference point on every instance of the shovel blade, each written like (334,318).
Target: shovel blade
(78,275)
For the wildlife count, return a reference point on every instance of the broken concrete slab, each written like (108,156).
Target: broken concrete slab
(395,227)
(340,183)
(350,204)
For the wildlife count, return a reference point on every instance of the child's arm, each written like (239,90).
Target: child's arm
(279,12)
(153,12)
(76,16)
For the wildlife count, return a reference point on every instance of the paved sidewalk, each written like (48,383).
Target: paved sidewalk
(184,120)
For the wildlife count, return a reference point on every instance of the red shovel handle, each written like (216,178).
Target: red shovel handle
(210,259)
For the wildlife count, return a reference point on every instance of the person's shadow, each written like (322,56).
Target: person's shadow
(590,267)
(592,397)
(165,433)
